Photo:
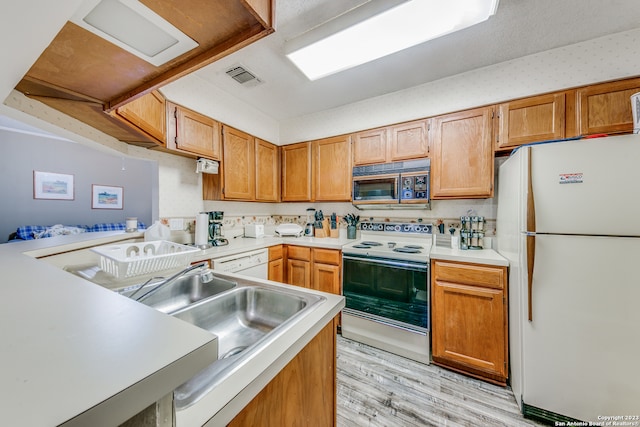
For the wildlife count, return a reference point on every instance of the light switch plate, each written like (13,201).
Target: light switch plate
(176,224)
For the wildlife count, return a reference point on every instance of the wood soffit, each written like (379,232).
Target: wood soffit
(80,66)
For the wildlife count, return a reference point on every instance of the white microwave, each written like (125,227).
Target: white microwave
(392,185)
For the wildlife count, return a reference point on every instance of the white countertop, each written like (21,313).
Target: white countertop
(243,244)
(75,353)
(477,256)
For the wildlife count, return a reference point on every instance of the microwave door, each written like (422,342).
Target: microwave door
(376,189)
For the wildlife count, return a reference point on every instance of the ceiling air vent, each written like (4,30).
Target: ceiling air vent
(243,76)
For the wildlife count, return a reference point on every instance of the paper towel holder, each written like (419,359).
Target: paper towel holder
(207,166)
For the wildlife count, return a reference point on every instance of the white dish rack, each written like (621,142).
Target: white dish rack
(135,259)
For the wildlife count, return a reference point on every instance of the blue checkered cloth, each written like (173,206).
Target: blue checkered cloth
(113,226)
(30,232)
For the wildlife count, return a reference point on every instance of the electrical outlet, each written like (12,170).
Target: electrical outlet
(176,224)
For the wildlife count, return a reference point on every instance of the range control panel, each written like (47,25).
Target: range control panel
(414,187)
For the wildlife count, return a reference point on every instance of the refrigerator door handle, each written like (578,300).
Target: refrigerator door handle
(531,237)
(531,257)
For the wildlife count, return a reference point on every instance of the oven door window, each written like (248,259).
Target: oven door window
(376,188)
(392,290)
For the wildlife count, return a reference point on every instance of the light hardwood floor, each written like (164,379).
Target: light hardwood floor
(377,388)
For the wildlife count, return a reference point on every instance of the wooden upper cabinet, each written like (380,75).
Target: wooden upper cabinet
(238,164)
(196,134)
(267,171)
(370,147)
(462,155)
(606,107)
(296,172)
(538,118)
(403,141)
(332,169)
(408,141)
(147,113)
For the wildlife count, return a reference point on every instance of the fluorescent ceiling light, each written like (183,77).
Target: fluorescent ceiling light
(372,31)
(135,28)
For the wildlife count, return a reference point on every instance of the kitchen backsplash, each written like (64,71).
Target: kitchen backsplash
(234,225)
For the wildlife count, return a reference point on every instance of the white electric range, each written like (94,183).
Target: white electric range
(385,281)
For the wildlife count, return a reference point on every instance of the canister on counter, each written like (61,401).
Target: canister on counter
(131,224)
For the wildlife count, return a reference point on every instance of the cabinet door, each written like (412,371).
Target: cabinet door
(462,155)
(370,147)
(469,319)
(326,278)
(299,273)
(533,119)
(409,141)
(303,393)
(267,171)
(606,107)
(276,270)
(238,164)
(147,113)
(332,159)
(197,134)
(296,172)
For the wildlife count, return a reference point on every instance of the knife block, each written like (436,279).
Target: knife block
(324,231)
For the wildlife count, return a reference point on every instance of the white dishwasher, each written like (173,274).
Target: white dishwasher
(253,263)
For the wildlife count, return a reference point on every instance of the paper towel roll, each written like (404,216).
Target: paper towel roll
(202,229)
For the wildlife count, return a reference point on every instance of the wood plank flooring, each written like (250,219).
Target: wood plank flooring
(377,388)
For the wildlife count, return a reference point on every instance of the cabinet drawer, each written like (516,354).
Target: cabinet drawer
(470,274)
(299,252)
(326,256)
(275,252)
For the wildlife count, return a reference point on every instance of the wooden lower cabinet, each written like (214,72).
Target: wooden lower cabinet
(469,319)
(314,268)
(303,393)
(276,264)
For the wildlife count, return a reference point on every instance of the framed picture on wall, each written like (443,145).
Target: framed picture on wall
(53,186)
(106,197)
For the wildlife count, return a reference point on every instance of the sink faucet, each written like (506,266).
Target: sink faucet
(205,277)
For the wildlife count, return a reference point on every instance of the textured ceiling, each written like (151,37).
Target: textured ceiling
(519,28)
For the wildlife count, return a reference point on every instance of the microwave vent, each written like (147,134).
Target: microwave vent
(395,167)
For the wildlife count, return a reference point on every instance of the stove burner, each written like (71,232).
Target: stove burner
(413,247)
(369,243)
(407,250)
(360,246)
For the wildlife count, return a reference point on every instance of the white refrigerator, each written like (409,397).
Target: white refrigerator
(568,221)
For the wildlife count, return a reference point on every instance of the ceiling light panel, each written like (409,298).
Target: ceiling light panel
(368,33)
(134,27)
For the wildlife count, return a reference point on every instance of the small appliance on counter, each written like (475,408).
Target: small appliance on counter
(309,229)
(215,229)
(255,231)
(293,230)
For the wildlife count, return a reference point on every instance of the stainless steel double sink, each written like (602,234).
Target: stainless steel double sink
(245,316)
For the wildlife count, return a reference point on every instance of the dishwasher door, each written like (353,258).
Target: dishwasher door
(252,263)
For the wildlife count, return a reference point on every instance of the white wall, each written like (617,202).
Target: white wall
(607,58)
(200,96)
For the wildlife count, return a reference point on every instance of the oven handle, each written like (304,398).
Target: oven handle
(393,263)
